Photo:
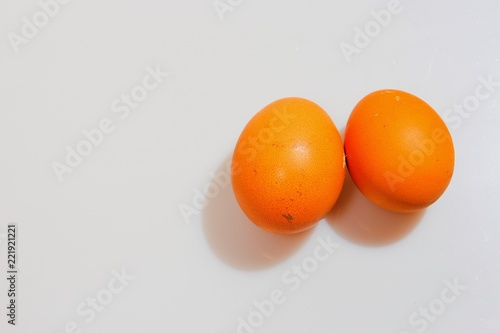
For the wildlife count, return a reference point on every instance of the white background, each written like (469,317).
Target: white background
(120,208)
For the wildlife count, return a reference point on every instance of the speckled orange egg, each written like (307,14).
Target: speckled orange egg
(399,151)
(288,166)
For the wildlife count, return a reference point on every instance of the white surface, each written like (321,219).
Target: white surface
(120,208)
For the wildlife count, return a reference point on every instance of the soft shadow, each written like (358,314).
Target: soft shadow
(240,243)
(357,219)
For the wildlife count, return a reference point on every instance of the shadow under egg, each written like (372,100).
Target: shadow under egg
(357,219)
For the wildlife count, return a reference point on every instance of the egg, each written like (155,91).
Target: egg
(288,166)
(399,152)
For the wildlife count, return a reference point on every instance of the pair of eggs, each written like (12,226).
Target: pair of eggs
(289,164)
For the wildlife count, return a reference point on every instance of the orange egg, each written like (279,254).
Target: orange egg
(399,151)
(288,166)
